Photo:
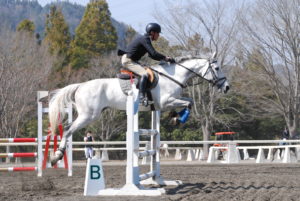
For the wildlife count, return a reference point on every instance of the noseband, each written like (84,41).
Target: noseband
(215,80)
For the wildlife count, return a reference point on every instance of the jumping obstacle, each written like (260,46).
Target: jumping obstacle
(15,155)
(25,155)
(15,140)
(4,140)
(18,169)
(18,155)
(135,181)
(42,159)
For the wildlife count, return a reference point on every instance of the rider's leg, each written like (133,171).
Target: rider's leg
(139,70)
(133,66)
(142,88)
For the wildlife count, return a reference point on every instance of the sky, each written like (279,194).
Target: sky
(137,13)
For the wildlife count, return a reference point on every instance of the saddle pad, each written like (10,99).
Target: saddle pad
(126,85)
(124,76)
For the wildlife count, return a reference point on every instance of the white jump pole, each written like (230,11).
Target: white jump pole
(69,142)
(40,95)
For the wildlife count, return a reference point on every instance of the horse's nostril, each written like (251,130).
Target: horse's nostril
(226,89)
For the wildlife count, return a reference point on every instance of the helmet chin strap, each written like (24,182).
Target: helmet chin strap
(152,35)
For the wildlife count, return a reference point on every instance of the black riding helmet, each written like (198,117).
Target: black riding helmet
(153,27)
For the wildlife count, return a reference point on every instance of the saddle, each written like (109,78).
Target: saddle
(126,77)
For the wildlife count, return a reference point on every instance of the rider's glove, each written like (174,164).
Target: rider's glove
(170,59)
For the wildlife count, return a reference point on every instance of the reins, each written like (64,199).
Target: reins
(198,75)
(169,77)
(214,82)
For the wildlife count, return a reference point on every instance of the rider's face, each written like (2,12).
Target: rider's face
(155,36)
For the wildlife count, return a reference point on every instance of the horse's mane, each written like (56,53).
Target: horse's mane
(188,57)
(184,58)
(181,59)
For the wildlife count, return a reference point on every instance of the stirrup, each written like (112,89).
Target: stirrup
(144,101)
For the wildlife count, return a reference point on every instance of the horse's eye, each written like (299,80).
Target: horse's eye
(217,68)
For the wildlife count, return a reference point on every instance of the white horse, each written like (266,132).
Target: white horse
(92,97)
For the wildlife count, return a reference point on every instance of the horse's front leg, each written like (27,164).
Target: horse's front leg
(179,102)
(183,115)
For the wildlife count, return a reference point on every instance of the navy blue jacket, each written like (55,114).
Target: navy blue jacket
(89,139)
(140,46)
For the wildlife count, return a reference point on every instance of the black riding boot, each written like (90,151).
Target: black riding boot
(142,88)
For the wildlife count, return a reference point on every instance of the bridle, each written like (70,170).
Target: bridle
(214,82)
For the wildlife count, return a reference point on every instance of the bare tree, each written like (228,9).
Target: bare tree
(24,68)
(273,29)
(216,23)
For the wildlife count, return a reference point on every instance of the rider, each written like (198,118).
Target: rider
(136,50)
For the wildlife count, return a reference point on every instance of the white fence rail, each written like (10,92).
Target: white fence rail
(165,142)
(195,152)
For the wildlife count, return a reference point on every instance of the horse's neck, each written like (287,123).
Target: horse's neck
(172,70)
(195,65)
(181,74)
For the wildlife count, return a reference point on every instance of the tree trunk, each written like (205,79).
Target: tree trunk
(292,122)
(206,135)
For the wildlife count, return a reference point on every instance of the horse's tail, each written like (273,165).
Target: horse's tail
(58,103)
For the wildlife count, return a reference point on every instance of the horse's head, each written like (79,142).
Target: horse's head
(207,69)
(214,74)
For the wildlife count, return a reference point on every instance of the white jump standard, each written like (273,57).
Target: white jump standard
(134,180)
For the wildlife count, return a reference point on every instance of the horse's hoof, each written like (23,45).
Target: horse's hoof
(53,161)
(58,156)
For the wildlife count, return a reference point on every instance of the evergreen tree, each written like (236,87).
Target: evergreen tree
(129,35)
(57,33)
(26,26)
(94,36)
(195,43)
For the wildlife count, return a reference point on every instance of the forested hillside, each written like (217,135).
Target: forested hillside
(12,12)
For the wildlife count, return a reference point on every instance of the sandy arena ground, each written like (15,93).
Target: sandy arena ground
(219,182)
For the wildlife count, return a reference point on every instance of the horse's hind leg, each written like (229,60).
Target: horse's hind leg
(80,122)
